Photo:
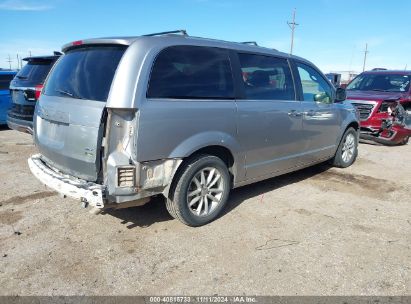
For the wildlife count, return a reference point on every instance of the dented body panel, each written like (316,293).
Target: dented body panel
(131,146)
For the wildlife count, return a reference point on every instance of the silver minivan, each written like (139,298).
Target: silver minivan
(123,119)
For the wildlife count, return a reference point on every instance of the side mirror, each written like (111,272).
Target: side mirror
(340,95)
(322,98)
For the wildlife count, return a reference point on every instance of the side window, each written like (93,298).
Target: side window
(315,87)
(266,77)
(5,81)
(191,72)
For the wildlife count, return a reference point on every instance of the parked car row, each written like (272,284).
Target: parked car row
(120,120)
(5,99)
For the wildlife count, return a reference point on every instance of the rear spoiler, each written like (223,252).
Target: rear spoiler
(116,40)
(98,41)
(42,58)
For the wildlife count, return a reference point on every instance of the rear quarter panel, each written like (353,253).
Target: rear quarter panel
(176,129)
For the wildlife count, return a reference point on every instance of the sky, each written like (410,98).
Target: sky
(331,34)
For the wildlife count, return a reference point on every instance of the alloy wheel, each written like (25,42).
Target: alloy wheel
(205,191)
(348,148)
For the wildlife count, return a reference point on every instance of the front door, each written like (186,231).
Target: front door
(321,119)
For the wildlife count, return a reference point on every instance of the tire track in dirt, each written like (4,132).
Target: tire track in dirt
(17,200)
(355,184)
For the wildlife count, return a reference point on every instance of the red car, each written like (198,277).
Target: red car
(383,100)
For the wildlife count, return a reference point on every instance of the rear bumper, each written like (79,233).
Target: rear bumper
(20,125)
(66,185)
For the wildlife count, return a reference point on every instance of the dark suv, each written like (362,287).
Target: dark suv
(25,90)
(383,100)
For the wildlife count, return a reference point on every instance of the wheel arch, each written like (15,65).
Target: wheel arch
(220,151)
(352,124)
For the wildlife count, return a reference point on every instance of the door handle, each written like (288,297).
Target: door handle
(294,113)
(309,113)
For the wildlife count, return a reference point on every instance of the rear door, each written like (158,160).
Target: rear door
(269,115)
(69,117)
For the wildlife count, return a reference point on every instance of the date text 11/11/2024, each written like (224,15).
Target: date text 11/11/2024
(203,299)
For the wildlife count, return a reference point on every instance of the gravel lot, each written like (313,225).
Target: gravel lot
(317,231)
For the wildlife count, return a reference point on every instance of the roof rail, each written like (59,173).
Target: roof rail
(182,32)
(250,42)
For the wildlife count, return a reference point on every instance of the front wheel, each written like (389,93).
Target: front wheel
(405,140)
(199,191)
(347,150)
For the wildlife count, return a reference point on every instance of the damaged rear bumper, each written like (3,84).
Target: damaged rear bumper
(66,185)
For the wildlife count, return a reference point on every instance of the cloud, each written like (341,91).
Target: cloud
(21,5)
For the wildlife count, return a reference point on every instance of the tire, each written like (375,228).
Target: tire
(190,200)
(405,140)
(347,149)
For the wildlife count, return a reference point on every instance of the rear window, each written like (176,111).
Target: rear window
(85,73)
(35,71)
(5,81)
(191,72)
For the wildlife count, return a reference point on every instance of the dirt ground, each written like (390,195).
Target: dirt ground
(319,231)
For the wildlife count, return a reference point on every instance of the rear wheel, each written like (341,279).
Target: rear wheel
(347,150)
(200,191)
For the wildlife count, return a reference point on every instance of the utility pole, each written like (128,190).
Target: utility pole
(292,26)
(365,56)
(30,53)
(9,61)
(18,61)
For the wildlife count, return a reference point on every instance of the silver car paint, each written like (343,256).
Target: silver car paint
(265,138)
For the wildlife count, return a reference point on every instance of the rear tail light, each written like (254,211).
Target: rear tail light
(37,91)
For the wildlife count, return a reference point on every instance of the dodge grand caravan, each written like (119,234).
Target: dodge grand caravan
(123,119)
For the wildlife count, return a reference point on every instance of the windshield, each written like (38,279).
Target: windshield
(381,82)
(85,73)
(35,71)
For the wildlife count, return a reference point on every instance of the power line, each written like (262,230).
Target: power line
(9,61)
(365,56)
(292,26)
